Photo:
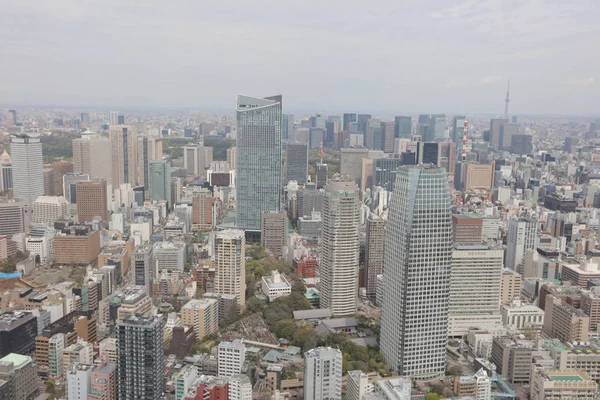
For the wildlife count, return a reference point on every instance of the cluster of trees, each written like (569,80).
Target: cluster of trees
(58,145)
(220,147)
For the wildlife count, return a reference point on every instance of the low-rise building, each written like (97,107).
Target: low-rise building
(520,315)
(512,359)
(566,384)
(76,245)
(275,285)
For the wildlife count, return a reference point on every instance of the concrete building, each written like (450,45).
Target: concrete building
(11,217)
(91,153)
(275,285)
(79,380)
(230,257)
(374,246)
(104,382)
(47,209)
(296,162)
(169,256)
(202,209)
(140,368)
(340,248)
(521,237)
(580,274)
(19,377)
(134,301)
(184,380)
(479,177)
(273,231)
(78,246)
(69,184)
(475,283)
(159,178)
(240,387)
(323,374)
(507,132)
(231,357)
(512,359)
(388,134)
(590,305)
(123,154)
(80,352)
(512,283)
(418,251)
(27,167)
(351,159)
(92,200)
(320,175)
(258,159)
(467,229)
(495,125)
(519,315)
(203,315)
(565,322)
(193,159)
(555,384)
(18,330)
(143,264)
(357,385)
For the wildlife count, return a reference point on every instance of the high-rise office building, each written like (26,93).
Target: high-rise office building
(11,217)
(121,120)
(231,155)
(495,125)
(202,209)
(258,148)
(374,252)
(113,118)
(348,118)
(12,117)
(403,127)
(193,159)
(438,124)
(288,126)
(91,155)
(388,131)
(475,283)
(143,266)
(323,374)
(141,360)
(28,175)
(417,262)
(384,172)
(457,131)
(321,175)
(230,256)
(160,181)
(6,173)
(91,200)
(507,131)
(521,237)
(273,231)
(123,154)
(143,167)
(47,209)
(340,247)
(69,185)
(428,153)
(296,162)
(86,120)
(424,128)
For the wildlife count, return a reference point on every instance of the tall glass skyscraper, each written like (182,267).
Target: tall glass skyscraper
(258,157)
(417,263)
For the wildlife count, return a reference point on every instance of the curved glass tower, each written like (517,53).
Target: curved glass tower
(417,263)
(258,158)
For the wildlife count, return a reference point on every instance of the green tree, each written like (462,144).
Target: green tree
(301,335)
(285,328)
(254,304)
(432,396)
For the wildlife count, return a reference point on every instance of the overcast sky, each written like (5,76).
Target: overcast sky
(328,55)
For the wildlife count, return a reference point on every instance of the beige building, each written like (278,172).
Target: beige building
(590,304)
(123,154)
(561,385)
(511,286)
(512,359)
(230,257)
(91,200)
(479,176)
(91,155)
(135,301)
(47,209)
(366,175)
(565,322)
(467,229)
(273,231)
(203,315)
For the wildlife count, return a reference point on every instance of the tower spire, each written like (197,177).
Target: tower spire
(507,100)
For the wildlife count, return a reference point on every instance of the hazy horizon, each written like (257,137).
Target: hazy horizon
(377,57)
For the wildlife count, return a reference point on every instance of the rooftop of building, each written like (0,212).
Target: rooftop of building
(75,367)
(141,320)
(201,304)
(16,359)
(319,313)
(10,320)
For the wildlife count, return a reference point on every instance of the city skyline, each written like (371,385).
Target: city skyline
(438,57)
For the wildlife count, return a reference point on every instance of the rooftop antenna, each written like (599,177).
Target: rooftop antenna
(507,101)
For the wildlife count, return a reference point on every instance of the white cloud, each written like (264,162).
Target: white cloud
(436,14)
(581,81)
(486,80)
(455,84)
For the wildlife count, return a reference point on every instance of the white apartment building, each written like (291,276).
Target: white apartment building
(521,237)
(79,380)
(275,285)
(230,260)
(169,256)
(47,209)
(231,358)
(240,387)
(323,374)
